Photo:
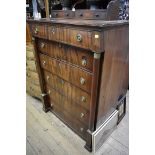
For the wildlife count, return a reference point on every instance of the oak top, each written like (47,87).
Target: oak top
(91,23)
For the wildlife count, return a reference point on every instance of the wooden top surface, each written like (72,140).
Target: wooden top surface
(91,23)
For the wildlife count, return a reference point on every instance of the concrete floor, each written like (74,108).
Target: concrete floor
(47,135)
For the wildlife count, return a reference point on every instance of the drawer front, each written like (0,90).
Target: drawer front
(32,76)
(90,14)
(79,37)
(62,14)
(76,125)
(68,105)
(67,72)
(82,58)
(67,89)
(39,30)
(31,65)
(71,36)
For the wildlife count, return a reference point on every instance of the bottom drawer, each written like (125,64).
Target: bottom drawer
(33,90)
(74,124)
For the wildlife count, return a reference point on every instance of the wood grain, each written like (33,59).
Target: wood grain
(67,72)
(67,53)
(67,89)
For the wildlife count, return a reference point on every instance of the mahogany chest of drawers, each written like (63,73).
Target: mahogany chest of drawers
(83,69)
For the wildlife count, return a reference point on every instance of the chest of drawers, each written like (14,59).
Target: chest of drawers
(83,70)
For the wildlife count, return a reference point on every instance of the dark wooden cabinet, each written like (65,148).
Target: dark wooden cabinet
(83,68)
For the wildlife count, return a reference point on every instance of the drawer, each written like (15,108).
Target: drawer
(70,73)
(62,14)
(76,37)
(72,122)
(39,30)
(32,76)
(68,105)
(67,89)
(90,14)
(80,57)
(31,65)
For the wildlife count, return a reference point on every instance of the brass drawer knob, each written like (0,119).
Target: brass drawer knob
(81,129)
(82,81)
(83,99)
(49,92)
(79,37)
(53,30)
(44,63)
(82,115)
(47,77)
(42,45)
(84,62)
(62,81)
(36,30)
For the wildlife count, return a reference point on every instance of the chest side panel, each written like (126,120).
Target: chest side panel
(114,78)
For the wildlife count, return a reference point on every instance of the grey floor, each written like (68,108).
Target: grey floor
(47,135)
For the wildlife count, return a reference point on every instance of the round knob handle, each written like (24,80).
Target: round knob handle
(42,45)
(44,62)
(83,99)
(62,81)
(36,30)
(82,115)
(84,62)
(53,30)
(49,92)
(79,37)
(47,77)
(56,14)
(82,80)
(81,14)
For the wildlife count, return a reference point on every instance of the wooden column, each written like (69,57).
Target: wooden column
(47,8)
(94,99)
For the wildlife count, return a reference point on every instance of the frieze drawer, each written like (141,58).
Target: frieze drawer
(39,30)
(71,36)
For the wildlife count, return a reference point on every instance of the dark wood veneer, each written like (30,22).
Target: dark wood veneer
(60,47)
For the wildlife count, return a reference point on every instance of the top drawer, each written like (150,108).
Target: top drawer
(39,30)
(71,36)
(75,36)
